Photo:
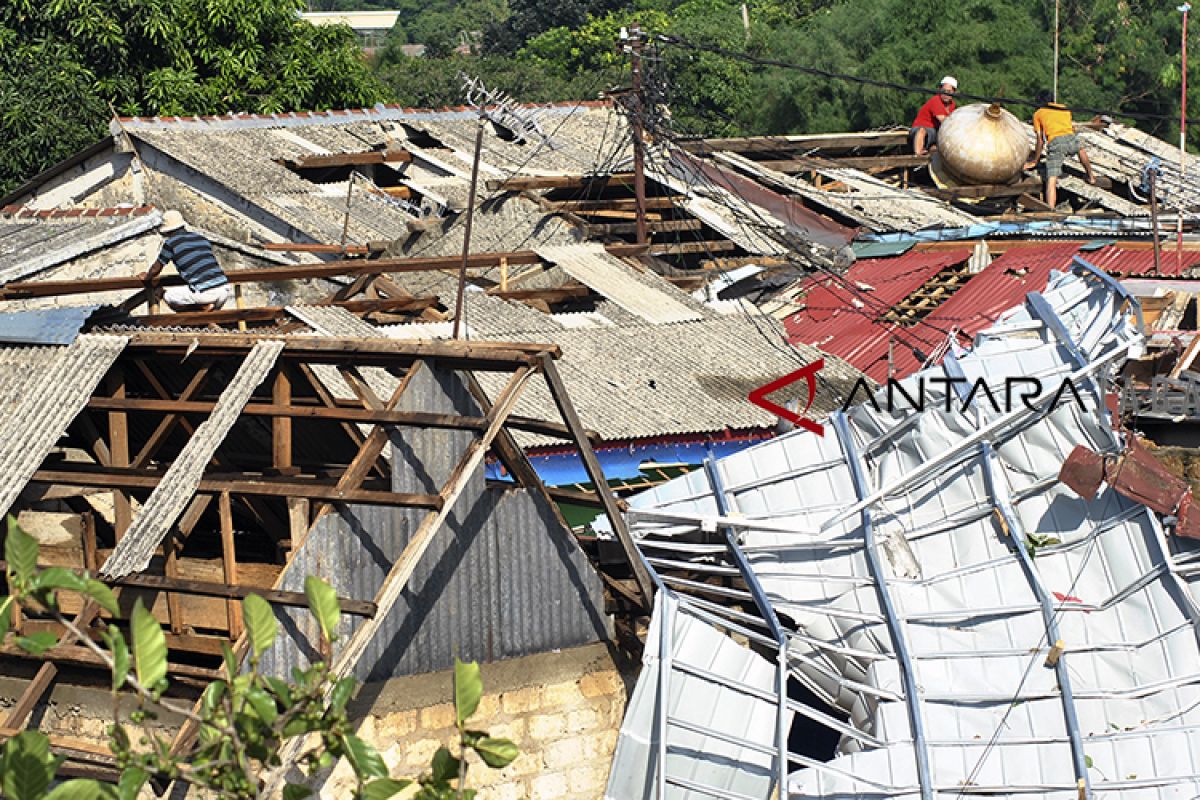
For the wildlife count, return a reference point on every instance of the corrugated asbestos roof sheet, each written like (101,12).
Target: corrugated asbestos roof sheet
(42,389)
(592,266)
(178,485)
(334,321)
(630,382)
(29,246)
(897,550)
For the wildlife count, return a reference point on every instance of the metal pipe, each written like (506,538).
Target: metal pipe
(894,624)
(998,491)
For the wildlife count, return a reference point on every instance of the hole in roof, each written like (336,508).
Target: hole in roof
(419,138)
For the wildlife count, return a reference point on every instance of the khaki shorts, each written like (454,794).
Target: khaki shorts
(186,297)
(1057,151)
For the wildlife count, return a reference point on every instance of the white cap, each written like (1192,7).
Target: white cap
(172,221)
(950,80)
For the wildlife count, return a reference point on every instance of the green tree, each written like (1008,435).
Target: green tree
(161,57)
(244,721)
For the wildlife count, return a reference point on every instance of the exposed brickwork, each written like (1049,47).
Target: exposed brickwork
(564,720)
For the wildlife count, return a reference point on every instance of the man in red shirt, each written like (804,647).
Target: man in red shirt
(923,133)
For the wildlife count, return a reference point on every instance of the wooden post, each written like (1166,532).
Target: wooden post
(240,303)
(503,274)
(297,522)
(229,558)
(281,427)
(466,250)
(118,448)
(639,145)
(1151,175)
(91,561)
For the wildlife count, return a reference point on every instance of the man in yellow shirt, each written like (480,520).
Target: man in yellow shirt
(1056,132)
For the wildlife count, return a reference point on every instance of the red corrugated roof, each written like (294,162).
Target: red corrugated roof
(843,316)
(832,321)
(1130,263)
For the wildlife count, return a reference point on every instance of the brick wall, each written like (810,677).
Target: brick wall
(563,710)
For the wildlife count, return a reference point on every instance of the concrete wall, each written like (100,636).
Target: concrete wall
(563,710)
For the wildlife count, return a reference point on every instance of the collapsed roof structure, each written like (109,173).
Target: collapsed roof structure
(962,621)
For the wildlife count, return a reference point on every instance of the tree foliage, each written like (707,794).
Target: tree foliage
(244,721)
(62,62)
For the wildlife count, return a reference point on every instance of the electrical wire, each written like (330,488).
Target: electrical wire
(899,87)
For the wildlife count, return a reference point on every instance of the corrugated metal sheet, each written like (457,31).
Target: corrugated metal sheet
(955,500)
(44,326)
(503,578)
(1129,263)
(41,390)
(178,485)
(592,266)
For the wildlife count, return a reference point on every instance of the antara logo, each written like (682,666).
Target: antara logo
(807,373)
(899,397)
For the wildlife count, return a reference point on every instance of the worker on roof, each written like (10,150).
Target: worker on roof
(205,285)
(1056,133)
(922,136)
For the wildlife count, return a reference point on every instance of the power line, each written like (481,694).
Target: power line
(900,87)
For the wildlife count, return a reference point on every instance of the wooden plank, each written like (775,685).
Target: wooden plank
(229,560)
(265,314)
(18,715)
(999,190)
(81,476)
(852,162)
(118,448)
(167,425)
(556,295)
(318,161)
(596,474)
(522,183)
(317,247)
(627,204)
(818,141)
(281,426)
(373,444)
(78,654)
(665,226)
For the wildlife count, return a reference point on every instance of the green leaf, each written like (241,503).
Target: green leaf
(342,691)
(120,653)
(496,752)
(260,623)
(468,688)
(210,701)
(57,578)
(21,552)
(80,789)
(103,596)
(323,602)
(132,781)
(281,689)
(28,766)
(383,788)
(263,704)
(37,643)
(296,791)
(231,660)
(1088,761)
(6,606)
(444,767)
(149,647)
(364,758)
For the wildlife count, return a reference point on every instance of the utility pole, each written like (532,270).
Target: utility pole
(637,107)
(1056,3)
(1185,8)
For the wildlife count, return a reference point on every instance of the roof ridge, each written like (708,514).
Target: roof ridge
(77,212)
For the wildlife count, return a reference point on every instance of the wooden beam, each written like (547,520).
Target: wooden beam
(273,313)
(118,448)
(373,444)
(167,425)
(818,141)
(233,609)
(532,182)
(262,487)
(395,156)
(596,474)
(999,190)
(653,227)
(853,162)
(78,654)
(556,295)
(281,426)
(18,715)
(317,247)
(627,204)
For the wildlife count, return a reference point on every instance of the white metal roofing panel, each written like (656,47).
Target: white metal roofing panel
(592,266)
(994,719)
(178,485)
